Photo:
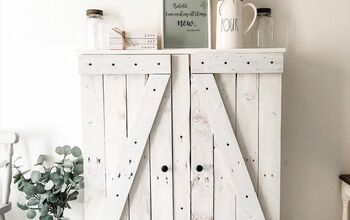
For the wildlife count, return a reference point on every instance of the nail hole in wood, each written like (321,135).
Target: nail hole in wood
(207,88)
(253,160)
(271,175)
(199,168)
(135,64)
(181,136)
(264,175)
(90,64)
(202,62)
(271,62)
(154,90)
(164,168)
(248,62)
(247,196)
(98,161)
(89,159)
(227,144)
(113,64)
(135,142)
(129,161)
(225,62)
(158,64)
(117,195)
(182,208)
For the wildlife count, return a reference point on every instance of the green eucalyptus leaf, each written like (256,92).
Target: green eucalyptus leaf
(35,176)
(41,159)
(49,185)
(55,176)
(33,202)
(67,150)
(31,214)
(79,160)
(78,179)
(59,150)
(22,206)
(40,188)
(29,189)
(73,196)
(44,210)
(76,152)
(46,217)
(52,198)
(78,169)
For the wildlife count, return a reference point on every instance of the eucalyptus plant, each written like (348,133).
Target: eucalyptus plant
(49,189)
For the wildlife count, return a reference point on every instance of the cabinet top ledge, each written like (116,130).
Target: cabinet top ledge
(181,51)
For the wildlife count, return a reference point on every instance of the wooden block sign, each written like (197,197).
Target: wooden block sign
(186,24)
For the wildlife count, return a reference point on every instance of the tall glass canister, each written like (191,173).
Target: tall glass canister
(263,33)
(96,31)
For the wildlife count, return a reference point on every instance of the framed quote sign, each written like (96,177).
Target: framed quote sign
(186,24)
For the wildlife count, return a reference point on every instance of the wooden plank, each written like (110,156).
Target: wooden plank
(224,192)
(140,193)
(181,137)
(201,159)
(247,122)
(269,144)
(115,130)
(182,51)
(8,138)
(227,147)
(161,161)
(124,64)
(94,148)
(237,63)
(137,138)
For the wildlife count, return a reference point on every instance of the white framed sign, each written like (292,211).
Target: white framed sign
(186,24)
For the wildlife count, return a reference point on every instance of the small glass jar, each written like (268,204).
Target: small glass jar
(96,31)
(263,34)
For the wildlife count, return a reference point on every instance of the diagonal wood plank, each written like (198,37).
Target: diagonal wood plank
(139,132)
(227,147)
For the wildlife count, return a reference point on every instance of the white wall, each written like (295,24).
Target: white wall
(40,93)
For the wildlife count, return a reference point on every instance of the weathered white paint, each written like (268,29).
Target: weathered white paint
(224,188)
(181,95)
(202,147)
(161,161)
(140,128)
(237,63)
(247,124)
(191,165)
(270,89)
(124,64)
(227,147)
(94,145)
(140,192)
(345,196)
(115,130)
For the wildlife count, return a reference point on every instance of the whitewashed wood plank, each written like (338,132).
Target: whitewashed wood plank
(137,138)
(181,137)
(115,130)
(161,161)
(94,148)
(124,64)
(224,192)
(201,159)
(228,148)
(183,51)
(270,144)
(8,137)
(247,122)
(140,192)
(237,63)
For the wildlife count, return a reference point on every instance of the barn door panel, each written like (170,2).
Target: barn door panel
(227,147)
(181,96)
(224,191)
(139,195)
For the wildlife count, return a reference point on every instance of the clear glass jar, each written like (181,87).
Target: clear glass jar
(263,34)
(96,31)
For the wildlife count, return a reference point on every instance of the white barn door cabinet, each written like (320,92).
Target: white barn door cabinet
(182,134)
